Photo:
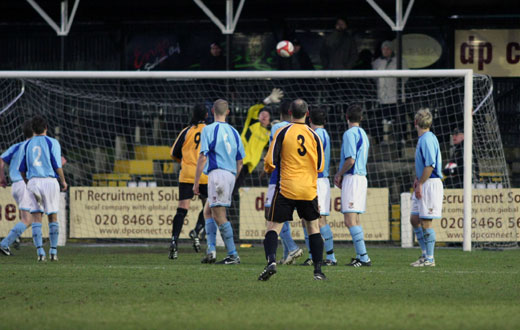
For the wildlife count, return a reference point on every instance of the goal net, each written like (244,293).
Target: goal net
(116,131)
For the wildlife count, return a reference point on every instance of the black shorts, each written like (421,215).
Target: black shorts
(186,190)
(282,208)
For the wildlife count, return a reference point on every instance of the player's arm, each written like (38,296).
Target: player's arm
(56,160)
(198,172)
(23,166)
(240,163)
(428,153)
(241,154)
(427,172)
(347,165)
(62,179)
(269,165)
(201,161)
(349,152)
(321,155)
(176,150)
(3,180)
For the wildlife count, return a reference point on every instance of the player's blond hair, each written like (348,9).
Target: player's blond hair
(220,106)
(424,118)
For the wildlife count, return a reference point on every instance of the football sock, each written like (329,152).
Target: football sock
(429,239)
(54,231)
(178,221)
(17,230)
(359,243)
(316,244)
(201,222)
(37,238)
(326,233)
(420,238)
(270,245)
(307,241)
(285,234)
(226,231)
(211,234)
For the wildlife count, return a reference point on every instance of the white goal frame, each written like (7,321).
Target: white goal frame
(466,74)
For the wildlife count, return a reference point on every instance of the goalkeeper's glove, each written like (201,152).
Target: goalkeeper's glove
(275,96)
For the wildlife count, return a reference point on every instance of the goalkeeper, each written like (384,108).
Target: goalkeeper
(454,169)
(255,135)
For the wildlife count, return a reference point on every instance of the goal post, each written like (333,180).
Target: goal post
(101,104)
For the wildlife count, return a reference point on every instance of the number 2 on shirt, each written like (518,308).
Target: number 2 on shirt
(37,150)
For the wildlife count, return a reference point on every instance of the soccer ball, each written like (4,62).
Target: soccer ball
(285,48)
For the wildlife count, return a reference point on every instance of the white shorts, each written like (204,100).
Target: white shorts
(270,195)
(324,196)
(220,187)
(49,190)
(354,194)
(19,190)
(430,205)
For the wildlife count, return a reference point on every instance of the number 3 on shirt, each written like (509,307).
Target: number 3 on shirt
(37,153)
(303,150)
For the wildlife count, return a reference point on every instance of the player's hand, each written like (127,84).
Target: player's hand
(275,96)
(338,180)
(196,189)
(64,186)
(262,174)
(3,182)
(418,190)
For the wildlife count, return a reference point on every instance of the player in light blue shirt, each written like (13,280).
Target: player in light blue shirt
(221,158)
(317,119)
(291,251)
(428,154)
(355,146)
(13,157)
(428,189)
(41,165)
(351,178)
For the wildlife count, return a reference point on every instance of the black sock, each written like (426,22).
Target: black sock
(316,246)
(201,222)
(178,221)
(270,246)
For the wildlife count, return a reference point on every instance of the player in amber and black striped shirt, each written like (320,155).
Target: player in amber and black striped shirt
(185,150)
(297,152)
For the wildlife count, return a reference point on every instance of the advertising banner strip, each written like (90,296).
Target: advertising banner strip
(492,52)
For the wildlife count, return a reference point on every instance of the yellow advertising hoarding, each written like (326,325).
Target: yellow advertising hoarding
(492,52)
(375,220)
(120,212)
(495,216)
(10,215)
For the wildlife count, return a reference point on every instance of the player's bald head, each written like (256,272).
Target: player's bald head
(220,107)
(299,108)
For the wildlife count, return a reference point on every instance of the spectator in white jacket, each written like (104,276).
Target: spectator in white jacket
(391,108)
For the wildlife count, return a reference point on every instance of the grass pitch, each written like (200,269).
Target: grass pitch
(139,288)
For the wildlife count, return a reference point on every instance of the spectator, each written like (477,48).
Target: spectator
(390,108)
(300,60)
(454,169)
(339,50)
(364,61)
(214,61)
